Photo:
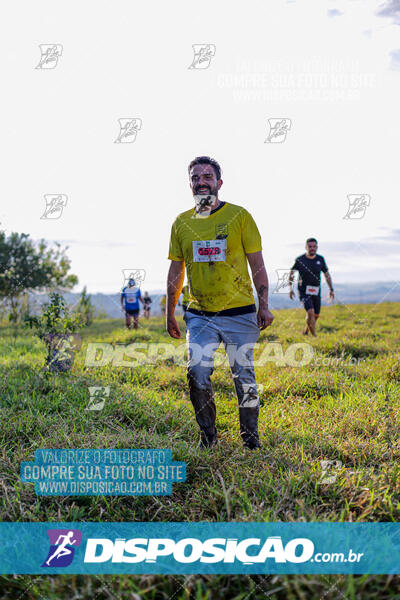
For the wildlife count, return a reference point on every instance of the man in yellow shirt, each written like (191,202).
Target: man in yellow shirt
(214,240)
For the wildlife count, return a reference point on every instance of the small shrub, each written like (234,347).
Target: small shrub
(57,328)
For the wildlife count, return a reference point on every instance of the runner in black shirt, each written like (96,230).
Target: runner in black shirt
(147,301)
(309,267)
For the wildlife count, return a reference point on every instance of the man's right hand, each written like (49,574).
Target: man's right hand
(173,328)
(291,294)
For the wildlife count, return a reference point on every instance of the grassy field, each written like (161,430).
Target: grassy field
(343,407)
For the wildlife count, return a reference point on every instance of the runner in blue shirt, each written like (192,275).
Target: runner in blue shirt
(130,297)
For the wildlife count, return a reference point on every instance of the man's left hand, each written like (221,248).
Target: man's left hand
(264,318)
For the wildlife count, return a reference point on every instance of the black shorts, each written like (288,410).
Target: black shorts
(132,313)
(312,302)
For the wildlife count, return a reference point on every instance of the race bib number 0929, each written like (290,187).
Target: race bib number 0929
(209,250)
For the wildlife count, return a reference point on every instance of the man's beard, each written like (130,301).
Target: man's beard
(210,190)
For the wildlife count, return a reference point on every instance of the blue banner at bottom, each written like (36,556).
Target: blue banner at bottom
(202,547)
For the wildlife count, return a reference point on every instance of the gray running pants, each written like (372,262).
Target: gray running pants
(238,333)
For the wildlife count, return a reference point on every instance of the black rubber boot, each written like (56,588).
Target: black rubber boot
(248,417)
(205,411)
(249,427)
(208,441)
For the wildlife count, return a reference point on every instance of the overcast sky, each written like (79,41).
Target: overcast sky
(331,68)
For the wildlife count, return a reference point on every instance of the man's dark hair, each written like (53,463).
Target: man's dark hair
(206,160)
(311,240)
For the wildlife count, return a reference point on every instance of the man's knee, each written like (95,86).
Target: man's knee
(316,316)
(199,377)
(310,313)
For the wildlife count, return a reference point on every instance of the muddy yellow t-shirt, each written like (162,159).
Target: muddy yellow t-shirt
(214,249)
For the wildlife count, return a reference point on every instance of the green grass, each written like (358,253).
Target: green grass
(334,411)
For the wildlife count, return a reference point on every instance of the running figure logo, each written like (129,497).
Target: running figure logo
(128,129)
(55,203)
(330,470)
(98,397)
(61,551)
(50,53)
(203,54)
(358,204)
(278,129)
(138,275)
(283,283)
